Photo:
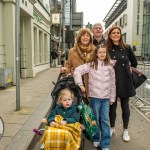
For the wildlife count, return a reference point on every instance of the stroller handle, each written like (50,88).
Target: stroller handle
(59,76)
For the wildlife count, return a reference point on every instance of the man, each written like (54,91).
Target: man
(54,55)
(98,37)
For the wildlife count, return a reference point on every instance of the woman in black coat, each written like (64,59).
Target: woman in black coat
(125,58)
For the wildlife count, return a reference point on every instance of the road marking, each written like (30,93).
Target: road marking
(148,79)
(142,108)
(147,86)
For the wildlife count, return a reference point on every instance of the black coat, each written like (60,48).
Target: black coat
(125,58)
(102,41)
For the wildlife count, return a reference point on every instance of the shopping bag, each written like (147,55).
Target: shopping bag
(138,77)
(88,118)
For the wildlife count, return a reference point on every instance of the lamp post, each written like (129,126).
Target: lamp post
(17,21)
(63,22)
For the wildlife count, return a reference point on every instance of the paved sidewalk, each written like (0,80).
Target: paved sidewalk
(35,101)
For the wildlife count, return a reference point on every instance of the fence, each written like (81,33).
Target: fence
(142,99)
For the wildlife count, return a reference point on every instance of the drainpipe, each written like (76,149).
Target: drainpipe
(63,22)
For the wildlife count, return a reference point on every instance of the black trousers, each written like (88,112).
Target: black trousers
(125,112)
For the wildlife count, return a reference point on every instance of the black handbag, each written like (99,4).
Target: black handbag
(138,77)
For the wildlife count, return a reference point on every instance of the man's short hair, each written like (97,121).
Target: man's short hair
(97,24)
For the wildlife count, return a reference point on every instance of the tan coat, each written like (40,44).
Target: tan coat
(74,60)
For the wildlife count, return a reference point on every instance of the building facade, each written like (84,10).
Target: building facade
(34,36)
(146,31)
(128,15)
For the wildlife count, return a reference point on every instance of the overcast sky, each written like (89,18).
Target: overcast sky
(94,10)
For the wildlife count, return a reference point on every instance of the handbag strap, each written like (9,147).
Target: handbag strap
(138,72)
(135,70)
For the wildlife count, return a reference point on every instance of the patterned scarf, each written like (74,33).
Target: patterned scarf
(86,53)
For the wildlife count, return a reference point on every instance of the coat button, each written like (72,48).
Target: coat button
(114,56)
(122,56)
(122,64)
(113,50)
(121,49)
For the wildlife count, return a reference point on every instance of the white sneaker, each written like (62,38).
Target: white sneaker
(112,131)
(105,149)
(126,136)
(95,144)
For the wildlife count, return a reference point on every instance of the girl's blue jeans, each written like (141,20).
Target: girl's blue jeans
(101,111)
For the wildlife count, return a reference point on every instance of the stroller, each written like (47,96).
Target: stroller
(62,83)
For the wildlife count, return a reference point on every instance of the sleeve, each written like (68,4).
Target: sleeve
(68,65)
(52,115)
(74,117)
(132,58)
(79,71)
(112,85)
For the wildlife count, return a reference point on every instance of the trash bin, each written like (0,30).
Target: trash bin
(6,77)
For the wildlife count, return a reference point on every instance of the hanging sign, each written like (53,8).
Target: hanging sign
(55,18)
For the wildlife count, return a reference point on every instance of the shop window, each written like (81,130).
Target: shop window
(125,19)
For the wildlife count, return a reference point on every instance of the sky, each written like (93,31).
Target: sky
(94,10)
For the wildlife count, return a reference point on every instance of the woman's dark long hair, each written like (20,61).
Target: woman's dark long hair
(109,41)
(95,58)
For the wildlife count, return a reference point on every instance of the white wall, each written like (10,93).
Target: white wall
(2,44)
(131,28)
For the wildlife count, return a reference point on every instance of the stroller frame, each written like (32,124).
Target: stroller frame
(66,82)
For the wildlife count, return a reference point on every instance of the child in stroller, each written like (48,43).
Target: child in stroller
(63,121)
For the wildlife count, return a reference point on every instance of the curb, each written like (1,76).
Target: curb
(25,137)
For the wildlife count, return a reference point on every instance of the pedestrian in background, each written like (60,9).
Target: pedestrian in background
(98,37)
(54,55)
(81,53)
(125,58)
(63,57)
(102,92)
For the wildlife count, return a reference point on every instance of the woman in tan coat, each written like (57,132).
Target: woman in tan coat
(81,53)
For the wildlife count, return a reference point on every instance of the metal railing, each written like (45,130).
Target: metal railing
(142,99)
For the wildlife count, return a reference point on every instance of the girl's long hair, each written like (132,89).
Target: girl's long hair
(109,41)
(95,59)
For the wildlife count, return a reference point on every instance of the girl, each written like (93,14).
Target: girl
(124,56)
(64,131)
(102,91)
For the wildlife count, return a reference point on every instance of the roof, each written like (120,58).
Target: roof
(113,8)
